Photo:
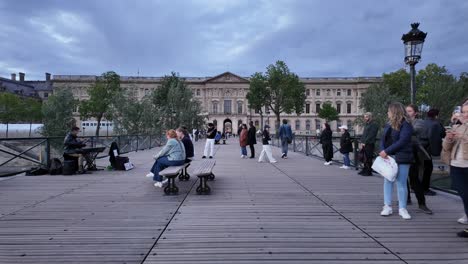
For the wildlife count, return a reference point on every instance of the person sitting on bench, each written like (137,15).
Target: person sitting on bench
(172,154)
(183,136)
(72,147)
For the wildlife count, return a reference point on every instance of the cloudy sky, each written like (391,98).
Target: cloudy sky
(325,38)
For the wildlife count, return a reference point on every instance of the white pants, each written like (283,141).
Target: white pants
(209,145)
(266,150)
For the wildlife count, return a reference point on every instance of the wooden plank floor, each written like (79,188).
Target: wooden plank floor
(294,211)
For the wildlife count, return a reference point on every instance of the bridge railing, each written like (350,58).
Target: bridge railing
(21,154)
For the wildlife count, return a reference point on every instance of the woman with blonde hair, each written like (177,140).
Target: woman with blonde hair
(455,153)
(396,141)
(172,154)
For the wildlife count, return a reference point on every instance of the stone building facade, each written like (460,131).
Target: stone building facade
(223,98)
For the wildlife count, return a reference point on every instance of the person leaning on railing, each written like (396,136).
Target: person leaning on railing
(455,154)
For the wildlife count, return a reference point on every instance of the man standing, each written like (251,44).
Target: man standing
(436,132)
(252,139)
(285,134)
(368,143)
(210,140)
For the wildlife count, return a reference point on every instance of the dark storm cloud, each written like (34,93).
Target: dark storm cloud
(208,37)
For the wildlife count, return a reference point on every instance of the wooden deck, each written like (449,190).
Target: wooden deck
(294,211)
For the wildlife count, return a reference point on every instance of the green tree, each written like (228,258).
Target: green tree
(101,97)
(32,111)
(398,84)
(328,112)
(174,104)
(258,94)
(285,93)
(10,109)
(376,100)
(57,113)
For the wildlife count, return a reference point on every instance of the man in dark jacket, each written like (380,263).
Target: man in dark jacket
(368,143)
(183,136)
(72,148)
(252,139)
(435,134)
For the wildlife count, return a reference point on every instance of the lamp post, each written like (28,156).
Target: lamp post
(413,41)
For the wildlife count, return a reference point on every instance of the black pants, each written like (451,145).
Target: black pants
(252,150)
(369,151)
(460,183)
(415,181)
(426,181)
(327,151)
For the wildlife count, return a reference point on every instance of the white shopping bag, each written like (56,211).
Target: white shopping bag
(388,167)
(129,166)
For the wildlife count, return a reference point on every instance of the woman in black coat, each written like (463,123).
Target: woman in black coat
(327,145)
(346,146)
(252,139)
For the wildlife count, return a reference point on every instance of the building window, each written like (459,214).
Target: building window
(348,108)
(317,108)
(349,92)
(350,124)
(239,107)
(215,107)
(307,110)
(267,110)
(298,125)
(338,107)
(46,95)
(338,124)
(328,92)
(307,92)
(318,125)
(227,107)
(198,92)
(257,124)
(338,92)
(317,92)
(257,111)
(307,124)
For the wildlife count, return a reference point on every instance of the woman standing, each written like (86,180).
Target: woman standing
(346,146)
(210,140)
(396,141)
(455,153)
(419,143)
(172,154)
(243,141)
(266,151)
(327,144)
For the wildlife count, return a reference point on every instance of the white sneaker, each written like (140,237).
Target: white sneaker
(386,211)
(274,161)
(158,184)
(343,167)
(327,163)
(150,175)
(404,213)
(463,220)
(346,167)
(242,156)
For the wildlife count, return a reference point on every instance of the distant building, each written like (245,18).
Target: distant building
(223,98)
(21,87)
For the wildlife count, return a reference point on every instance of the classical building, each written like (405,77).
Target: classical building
(223,98)
(21,87)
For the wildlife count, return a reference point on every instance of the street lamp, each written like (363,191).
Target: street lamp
(413,41)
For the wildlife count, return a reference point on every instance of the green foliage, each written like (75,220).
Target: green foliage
(328,112)
(398,84)
(376,100)
(57,113)
(101,97)
(10,107)
(174,105)
(279,89)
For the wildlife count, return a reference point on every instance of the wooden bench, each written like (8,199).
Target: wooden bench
(205,172)
(171,173)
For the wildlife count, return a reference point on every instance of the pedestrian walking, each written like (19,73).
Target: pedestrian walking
(266,151)
(285,135)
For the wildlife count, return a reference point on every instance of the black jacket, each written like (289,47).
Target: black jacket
(71,144)
(346,145)
(370,133)
(326,137)
(436,132)
(252,136)
(188,145)
(398,143)
(266,137)
(211,133)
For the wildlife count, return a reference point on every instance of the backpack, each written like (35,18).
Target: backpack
(55,167)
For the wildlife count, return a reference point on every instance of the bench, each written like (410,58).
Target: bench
(205,172)
(171,173)
(183,174)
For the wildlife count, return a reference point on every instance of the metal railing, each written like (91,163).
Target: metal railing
(19,155)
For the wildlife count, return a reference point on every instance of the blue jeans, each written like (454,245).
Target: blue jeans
(284,146)
(244,151)
(401,180)
(162,163)
(346,159)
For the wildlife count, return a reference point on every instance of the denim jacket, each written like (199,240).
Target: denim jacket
(174,150)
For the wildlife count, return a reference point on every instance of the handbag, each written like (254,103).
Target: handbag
(388,167)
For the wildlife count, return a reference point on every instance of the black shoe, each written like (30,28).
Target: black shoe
(430,193)
(82,172)
(463,233)
(361,172)
(284,155)
(204,157)
(424,209)
(211,157)
(251,157)
(366,174)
